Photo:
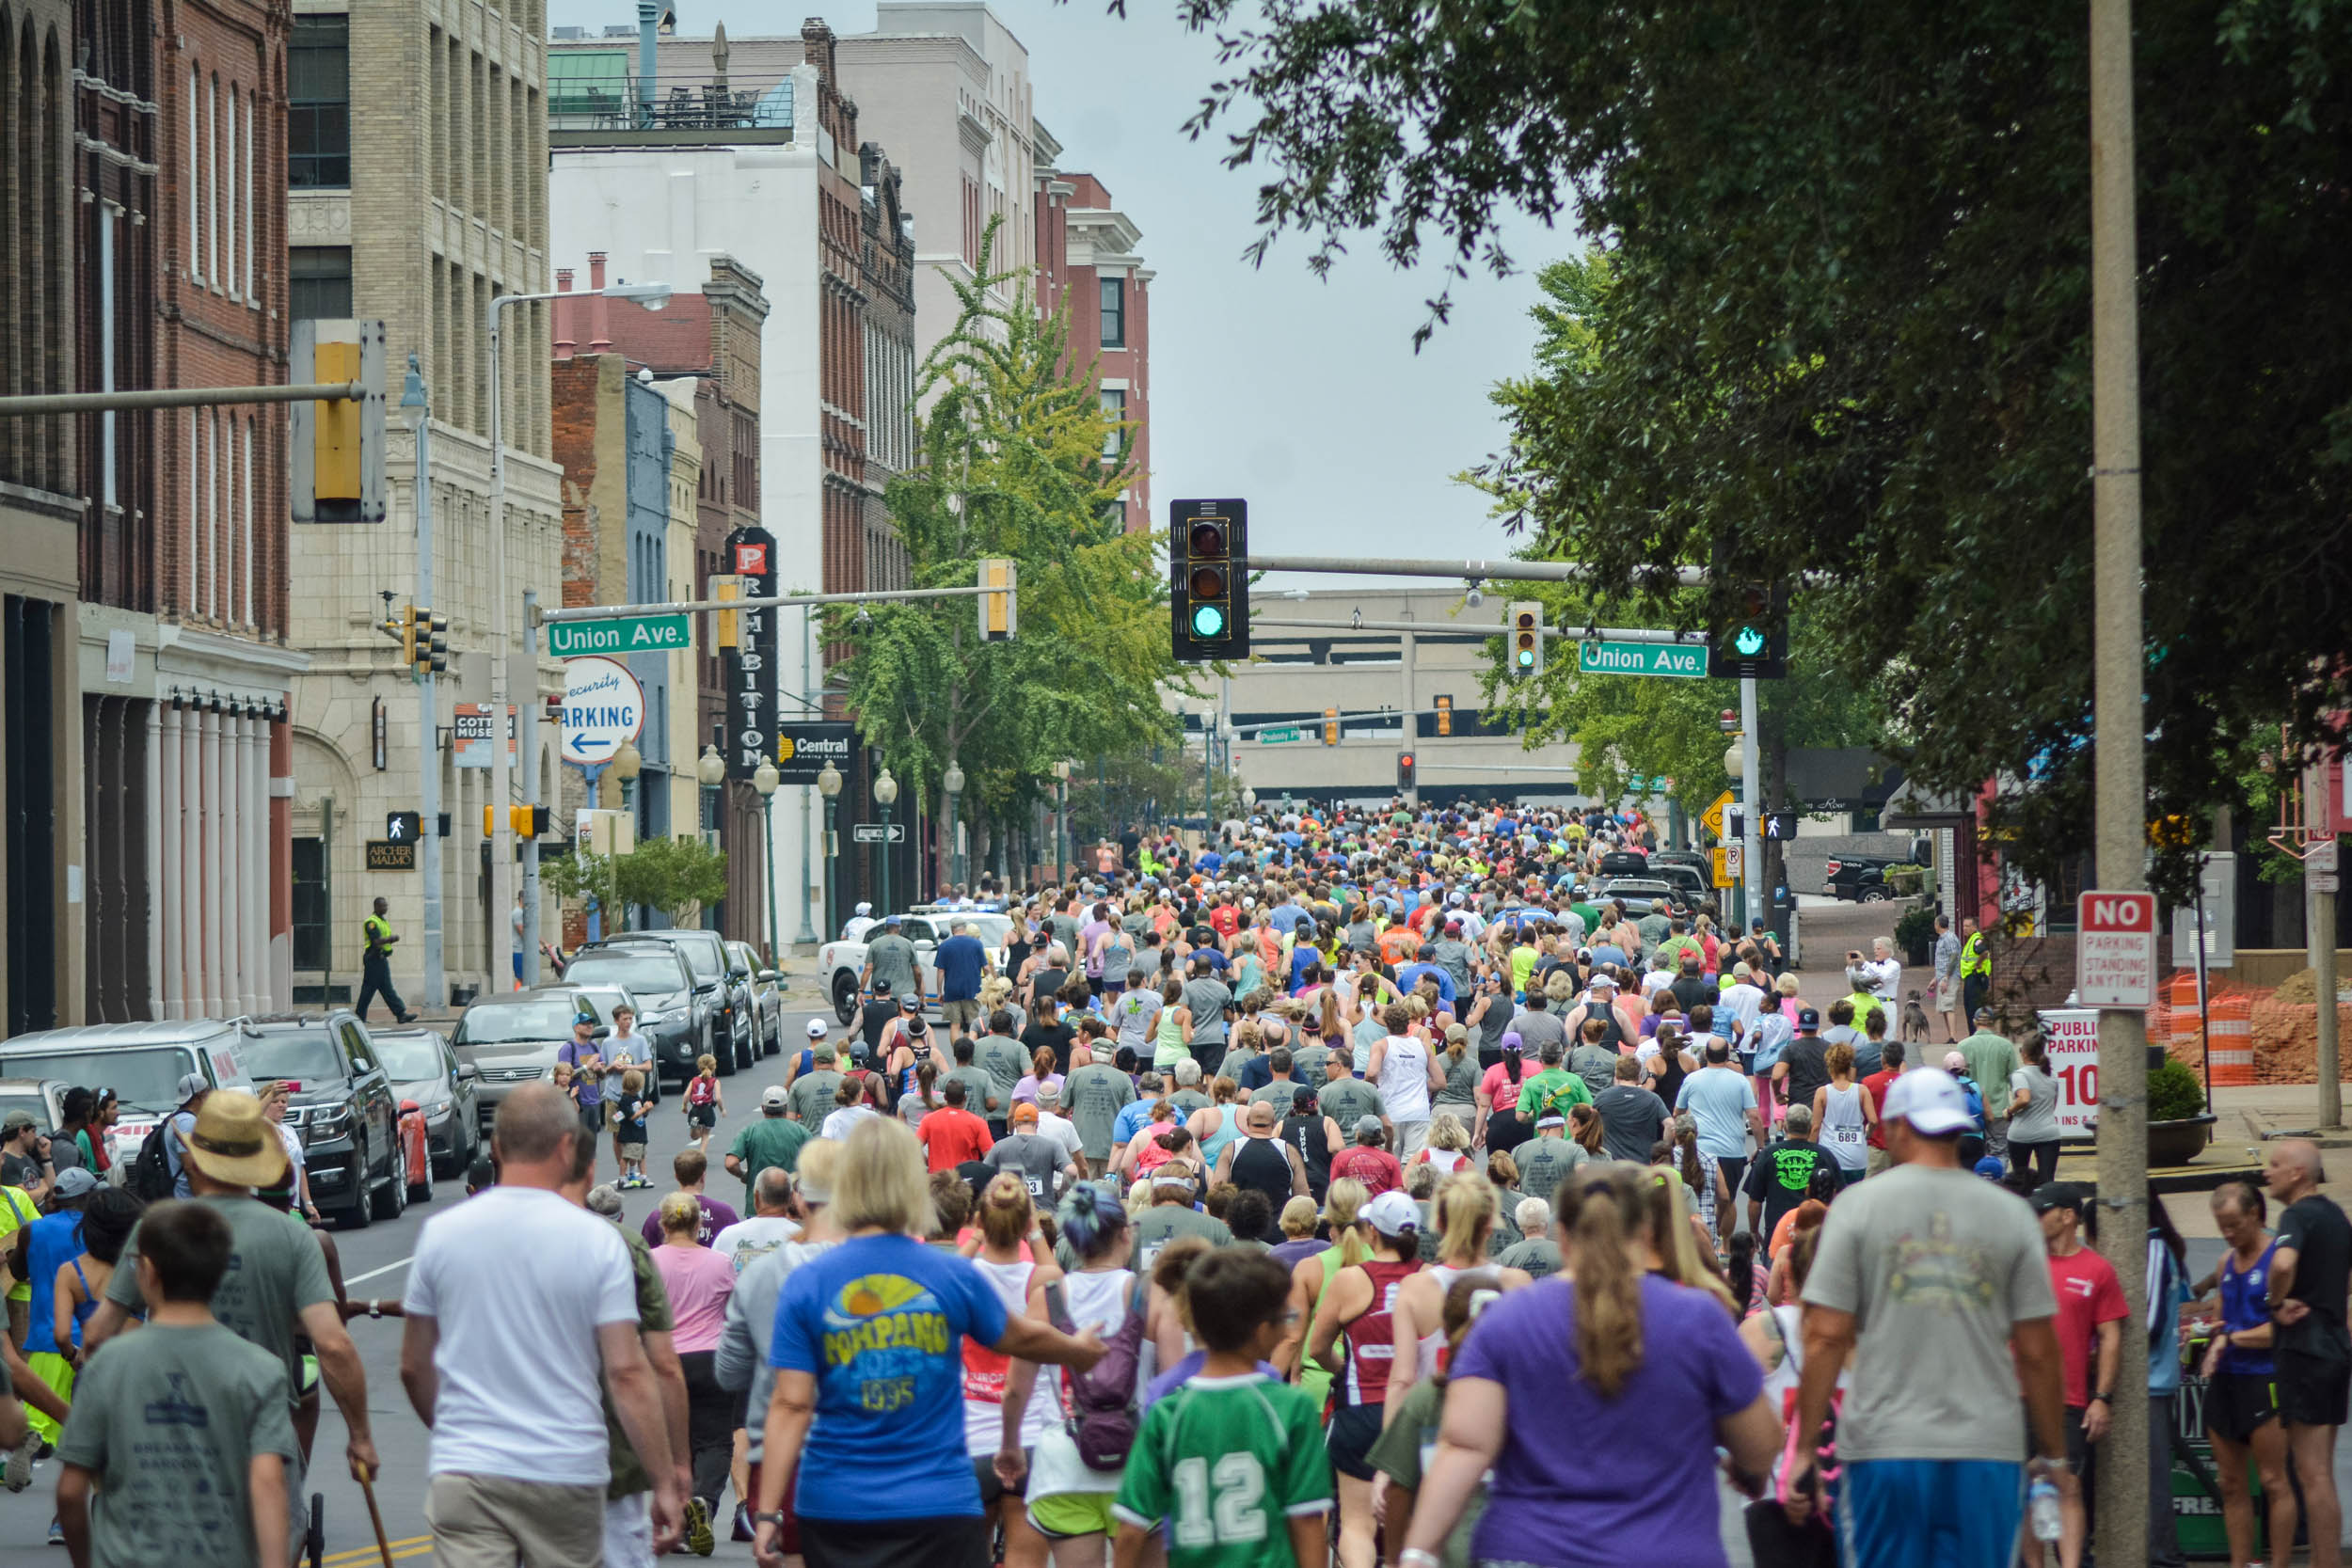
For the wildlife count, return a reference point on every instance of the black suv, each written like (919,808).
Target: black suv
(343,1106)
(719,976)
(682,1017)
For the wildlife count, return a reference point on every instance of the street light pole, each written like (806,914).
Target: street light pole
(416,403)
(653,297)
(829,785)
(1061,820)
(764,780)
(885,795)
(952,782)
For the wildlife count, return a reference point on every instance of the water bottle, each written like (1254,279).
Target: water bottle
(2042,1509)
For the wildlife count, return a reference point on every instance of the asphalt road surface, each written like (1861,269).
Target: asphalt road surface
(374,1263)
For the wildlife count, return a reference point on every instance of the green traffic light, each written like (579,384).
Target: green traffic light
(1527,659)
(1207,621)
(1748,641)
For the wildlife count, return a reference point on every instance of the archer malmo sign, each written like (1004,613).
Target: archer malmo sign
(604,709)
(802,750)
(751,665)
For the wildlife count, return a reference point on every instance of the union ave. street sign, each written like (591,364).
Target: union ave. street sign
(632,634)
(1682,661)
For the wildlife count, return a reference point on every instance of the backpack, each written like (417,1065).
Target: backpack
(1100,1406)
(151,1174)
(1975,1100)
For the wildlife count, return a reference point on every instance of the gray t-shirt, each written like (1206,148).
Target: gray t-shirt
(276,1269)
(1595,1064)
(1937,1265)
(893,958)
(1719,1099)
(1208,999)
(1545,1162)
(811,1095)
(1278,1093)
(1538,1255)
(979,1084)
(1345,1099)
(1032,1158)
(170,1420)
(1138,1012)
(1163,1222)
(2038,1122)
(1002,1060)
(1631,1119)
(1537,1030)
(1094,1094)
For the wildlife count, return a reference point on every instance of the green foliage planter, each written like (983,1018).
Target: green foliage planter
(1914,933)
(2178,1122)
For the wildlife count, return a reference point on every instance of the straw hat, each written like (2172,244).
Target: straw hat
(233,1143)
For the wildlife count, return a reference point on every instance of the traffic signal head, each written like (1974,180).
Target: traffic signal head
(1523,639)
(337,447)
(1207,559)
(1752,642)
(1331,726)
(998,608)
(406,623)
(1404,771)
(427,642)
(1445,714)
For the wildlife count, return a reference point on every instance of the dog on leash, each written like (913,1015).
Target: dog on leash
(1915,1021)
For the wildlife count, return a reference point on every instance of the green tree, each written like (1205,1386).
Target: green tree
(1846,330)
(678,876)
(1018,459)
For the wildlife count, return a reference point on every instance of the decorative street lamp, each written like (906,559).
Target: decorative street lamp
(829,785)
(764,781)
(1061,820)
(886,796)
(952,780)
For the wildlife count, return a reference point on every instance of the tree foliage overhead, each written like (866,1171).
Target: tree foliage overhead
(1017,459)
(1846,330)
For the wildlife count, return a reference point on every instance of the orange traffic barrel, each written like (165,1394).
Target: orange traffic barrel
(2232,1034)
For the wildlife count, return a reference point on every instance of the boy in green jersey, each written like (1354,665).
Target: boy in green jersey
(1230,1459)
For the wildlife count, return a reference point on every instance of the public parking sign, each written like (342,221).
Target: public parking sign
(2115,950)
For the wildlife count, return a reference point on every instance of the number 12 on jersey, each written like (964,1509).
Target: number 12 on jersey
(1232,1514)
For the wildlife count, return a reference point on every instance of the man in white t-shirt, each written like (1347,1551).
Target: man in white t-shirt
(521,1307)
(747,1241)
(1736,1010)
(1057,1128)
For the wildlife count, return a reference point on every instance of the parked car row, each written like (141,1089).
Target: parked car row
(384,1113)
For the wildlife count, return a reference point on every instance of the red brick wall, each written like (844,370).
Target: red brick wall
(574,402)
(223,307)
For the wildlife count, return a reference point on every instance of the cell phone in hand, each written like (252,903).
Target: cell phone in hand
(1058,1309)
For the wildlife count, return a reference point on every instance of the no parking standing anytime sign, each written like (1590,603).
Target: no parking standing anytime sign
(2114,967)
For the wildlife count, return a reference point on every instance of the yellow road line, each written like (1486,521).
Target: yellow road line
(410,1547)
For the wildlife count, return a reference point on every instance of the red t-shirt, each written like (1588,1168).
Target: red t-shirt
(1877,1083)
(1225,920)
(2088,1294)
(950,1136)
(1376,1168)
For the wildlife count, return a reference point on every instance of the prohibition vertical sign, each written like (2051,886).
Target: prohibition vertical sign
(2115,951)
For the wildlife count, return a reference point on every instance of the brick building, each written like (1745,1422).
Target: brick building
(712,342)
(41,490)
(418,194)
(1088,266)
(757,155)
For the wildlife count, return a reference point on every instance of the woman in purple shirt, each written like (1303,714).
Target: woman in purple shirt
(1573,1389)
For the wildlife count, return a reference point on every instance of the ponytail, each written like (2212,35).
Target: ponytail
(1466,1217)
(1595,1214)
(1687,1141)
(926,1074)
(1342,1205)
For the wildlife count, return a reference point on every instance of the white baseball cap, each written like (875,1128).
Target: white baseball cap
(1931,1101)
(816,1030)
(1393,1214)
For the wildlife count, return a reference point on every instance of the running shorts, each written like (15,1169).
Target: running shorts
(2237,1404)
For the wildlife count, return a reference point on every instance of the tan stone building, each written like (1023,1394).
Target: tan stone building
(418,195)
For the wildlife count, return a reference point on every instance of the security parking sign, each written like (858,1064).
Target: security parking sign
(604,709)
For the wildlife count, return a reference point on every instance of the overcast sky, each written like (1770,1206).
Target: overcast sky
(1303,396)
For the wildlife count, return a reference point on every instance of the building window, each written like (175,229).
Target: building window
(318,103)
(1115,410)
(320,276)
(1114,312)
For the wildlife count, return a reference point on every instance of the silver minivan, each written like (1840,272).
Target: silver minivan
(142,1063)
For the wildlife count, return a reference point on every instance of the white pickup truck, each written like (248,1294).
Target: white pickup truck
(841,963)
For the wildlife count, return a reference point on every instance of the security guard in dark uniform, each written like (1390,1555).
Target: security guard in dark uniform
(376,969)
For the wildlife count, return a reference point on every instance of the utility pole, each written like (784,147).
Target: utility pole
(2119,726)
(415,398)
(2321,877)
(527,753)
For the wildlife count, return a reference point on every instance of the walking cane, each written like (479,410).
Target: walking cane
(375,1516)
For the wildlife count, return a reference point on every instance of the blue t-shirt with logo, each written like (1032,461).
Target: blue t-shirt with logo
(880,1320)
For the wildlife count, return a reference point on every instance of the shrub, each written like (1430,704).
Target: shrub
(2174,1093)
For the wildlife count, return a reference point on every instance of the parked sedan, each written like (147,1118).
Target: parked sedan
(512,1038)
(427,1073)
(672,1010)
(767,996)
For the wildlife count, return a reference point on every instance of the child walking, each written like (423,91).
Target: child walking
(705,1104)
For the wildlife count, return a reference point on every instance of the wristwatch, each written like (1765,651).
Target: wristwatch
(777,1518)
(375,1307)
(2103,1398)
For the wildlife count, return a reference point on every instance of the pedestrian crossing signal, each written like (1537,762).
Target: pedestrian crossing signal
(1751,643)
(402,827)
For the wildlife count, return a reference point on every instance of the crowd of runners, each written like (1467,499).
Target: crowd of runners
(1367,1186)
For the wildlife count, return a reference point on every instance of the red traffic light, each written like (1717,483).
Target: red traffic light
(1208,539)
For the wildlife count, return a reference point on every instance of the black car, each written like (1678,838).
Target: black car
(1861,879)
(681,1016)
(719,978)
(1624,863)
(425,1071)
(342,1105)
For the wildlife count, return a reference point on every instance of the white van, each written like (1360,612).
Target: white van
(142,1063)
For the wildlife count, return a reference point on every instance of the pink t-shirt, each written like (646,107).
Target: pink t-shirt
(1501,1092)
(699,1282)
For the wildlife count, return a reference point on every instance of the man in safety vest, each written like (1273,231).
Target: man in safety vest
(376,966)
(1975,968)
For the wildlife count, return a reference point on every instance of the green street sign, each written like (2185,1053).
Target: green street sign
(632,634)
(1275,737)
(1680,660)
